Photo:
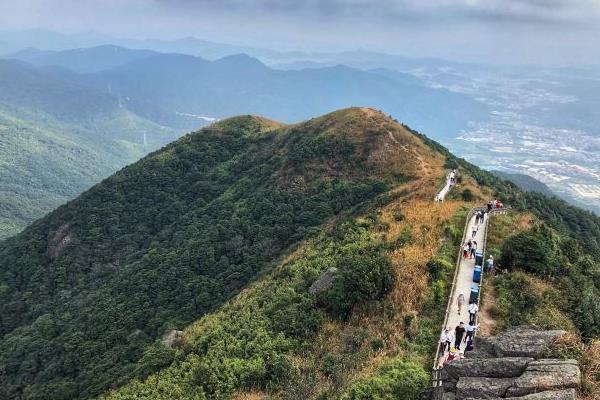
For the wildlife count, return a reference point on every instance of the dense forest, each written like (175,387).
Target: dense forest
(58,139)
(222,233)
(160,243)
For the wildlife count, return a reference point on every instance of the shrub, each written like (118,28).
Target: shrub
(535,251)
(397,379)
(155,357)
(467,195)
(365,274)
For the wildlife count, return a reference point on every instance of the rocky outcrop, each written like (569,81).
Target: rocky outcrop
(511,366)
(172,338)
(324,282)
(507,367)
(524,342)
(569,394)
(546,375)
(482,388)
(58,240)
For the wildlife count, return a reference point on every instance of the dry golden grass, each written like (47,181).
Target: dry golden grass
(249,396)
(590,363)
(588,355)
(425,220)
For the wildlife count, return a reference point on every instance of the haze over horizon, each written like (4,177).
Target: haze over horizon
(548,33)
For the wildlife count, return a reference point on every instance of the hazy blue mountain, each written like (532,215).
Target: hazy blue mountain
(58,139)
(82,60)
(525,182)
(13,41)
(241,84)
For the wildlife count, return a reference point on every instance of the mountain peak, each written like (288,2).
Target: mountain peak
(248,125)
(241,60)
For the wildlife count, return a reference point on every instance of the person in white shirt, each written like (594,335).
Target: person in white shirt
(489,264)
(471,329)
(474,231)
(473,309)
(445,340)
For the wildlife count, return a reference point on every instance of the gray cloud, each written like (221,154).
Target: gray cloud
(475,30)
(519,10)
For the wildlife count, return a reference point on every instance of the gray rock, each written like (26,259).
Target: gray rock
(449,396)
(324,282)
(484,347)
(449,385)
(569,394)
(508,367)
(58,240)
(482,388)
(524,342)
(172,338)
(543,375)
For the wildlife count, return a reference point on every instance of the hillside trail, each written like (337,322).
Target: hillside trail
(464,275)
(423,165)
(441,195)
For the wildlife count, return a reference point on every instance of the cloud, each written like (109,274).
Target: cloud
(476,30)
(574,11)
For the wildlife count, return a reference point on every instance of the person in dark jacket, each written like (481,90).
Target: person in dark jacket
(459,334)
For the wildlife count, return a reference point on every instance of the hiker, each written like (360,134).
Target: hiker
(473,249)
(489,206)
(466,250)
(489,264)
(452,355)
(445,340)
(473,310)
(459,334)
(460,302)
(471,329)
(474,230)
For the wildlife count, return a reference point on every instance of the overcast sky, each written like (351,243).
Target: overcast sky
(514,31)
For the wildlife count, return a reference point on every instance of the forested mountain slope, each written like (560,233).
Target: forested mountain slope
(222,234)
(58,139)
(171,237)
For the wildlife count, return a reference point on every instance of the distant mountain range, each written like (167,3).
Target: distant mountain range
(169,88)
(525,182)
(81,60)
(58,139)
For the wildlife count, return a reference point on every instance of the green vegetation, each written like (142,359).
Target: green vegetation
(250,343)
(552,281)
(45,164)
(58,139)
(397,379)
(222,234)
(169,239)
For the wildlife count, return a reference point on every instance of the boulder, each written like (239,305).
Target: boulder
(172,338)
(507,367)
(544,375)
(569,394)
(484,347)
(482,388)
(524,342)
(324,282)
